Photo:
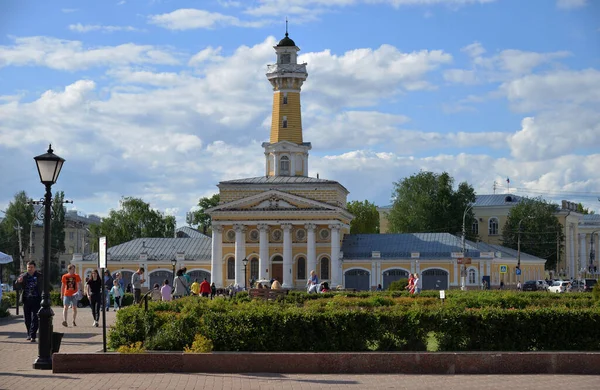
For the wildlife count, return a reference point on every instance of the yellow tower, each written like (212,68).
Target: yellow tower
(286,154)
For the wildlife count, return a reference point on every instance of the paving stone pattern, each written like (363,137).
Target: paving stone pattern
(18,354)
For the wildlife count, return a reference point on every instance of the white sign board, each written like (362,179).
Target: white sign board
(415,255)
(442,294)
(143,256)
(102,252)
(180,256)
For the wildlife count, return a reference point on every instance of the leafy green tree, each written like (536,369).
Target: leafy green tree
(198,217)
(584,210)
(135,219)
(19,213)
(57,235)
(366,217)
(426,202)
(539,229)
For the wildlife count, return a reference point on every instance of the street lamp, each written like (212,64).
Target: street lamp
(49,166)
(592,251)
(245,261)
(174,264)
(464,234)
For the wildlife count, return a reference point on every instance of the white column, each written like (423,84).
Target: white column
(240,253)
(455,264)
(216,261)
(263,251)
(311,248)
(336,270)
(412,266)
(305,159)
(582,252)
(276,164)
(287,256)
(481,272)
(292,164)
(572,268)
(373,274)
(267,164)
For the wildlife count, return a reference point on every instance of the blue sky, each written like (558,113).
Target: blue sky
(163,99)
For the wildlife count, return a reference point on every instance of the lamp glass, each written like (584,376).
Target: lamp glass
(245,261)
(49,166)
(174,262)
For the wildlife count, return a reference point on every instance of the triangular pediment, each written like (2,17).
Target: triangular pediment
(273,200)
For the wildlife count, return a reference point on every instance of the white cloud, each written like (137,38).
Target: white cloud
(68,10)
(72,55)
(189,19)
(569,4)
(84,28)
(461,76)
(208,54)
(475,49)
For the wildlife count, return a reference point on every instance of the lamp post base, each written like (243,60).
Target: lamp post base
(42,363)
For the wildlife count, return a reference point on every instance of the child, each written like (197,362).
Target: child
(165,291)
(156,294)
(117,292)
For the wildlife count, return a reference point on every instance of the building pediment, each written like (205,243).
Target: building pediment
(274,200)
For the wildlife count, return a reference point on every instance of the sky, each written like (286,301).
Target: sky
(162,99)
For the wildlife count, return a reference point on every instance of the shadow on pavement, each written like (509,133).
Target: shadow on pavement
(37,376)
(283,377)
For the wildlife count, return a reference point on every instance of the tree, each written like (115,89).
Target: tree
(366,217)
(199,217)
(584,210)
(135,219)
(19,213)
(427,202)
(540,229)
(57,234)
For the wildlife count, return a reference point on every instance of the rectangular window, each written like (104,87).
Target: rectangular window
(71,236)
(285,98)
(284,124)
(231,268)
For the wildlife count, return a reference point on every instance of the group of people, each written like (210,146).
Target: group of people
(182,286)
(413,285)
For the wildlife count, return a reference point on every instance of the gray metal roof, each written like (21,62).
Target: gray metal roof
(429,245)
(496,200)
(279,180)
(591,218)
(159,249)
(189,232)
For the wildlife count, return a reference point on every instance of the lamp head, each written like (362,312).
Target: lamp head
(174,262)
(245,261)
(49,166)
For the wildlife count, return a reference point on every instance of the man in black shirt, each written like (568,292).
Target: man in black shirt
(31,283)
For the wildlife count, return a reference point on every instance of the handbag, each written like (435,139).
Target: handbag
(77,296)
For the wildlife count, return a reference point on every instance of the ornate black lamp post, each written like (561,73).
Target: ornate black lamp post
(174,264)
(49,166)
(245,261)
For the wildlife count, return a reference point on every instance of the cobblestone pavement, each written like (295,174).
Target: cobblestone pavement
(18,354)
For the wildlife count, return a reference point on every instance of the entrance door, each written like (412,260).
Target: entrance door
(435,279)
(358,279)
(392,275)
(277,272)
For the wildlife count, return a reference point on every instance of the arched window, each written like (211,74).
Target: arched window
(284,165)
(301,266)
(475,227)
(472,277)
(324,268)
(231,268)
(285,98)
(254,268)
(493,226)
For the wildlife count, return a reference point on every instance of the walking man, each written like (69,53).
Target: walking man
(136,281)
(108,284)
(31,283)
(71,285)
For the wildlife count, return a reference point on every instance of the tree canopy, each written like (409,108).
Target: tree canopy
(540,229)
(198,217)
(427,202)
(366,217)
(18,213)
(135,219)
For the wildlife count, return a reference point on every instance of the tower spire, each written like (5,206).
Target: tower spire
(286,26)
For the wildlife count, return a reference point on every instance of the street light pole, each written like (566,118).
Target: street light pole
(464,245)
(245,261)
(49,166)
(174,264)
(592,251)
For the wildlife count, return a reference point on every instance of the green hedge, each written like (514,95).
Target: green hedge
(375,322)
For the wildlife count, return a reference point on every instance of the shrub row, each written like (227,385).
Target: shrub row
(334,325)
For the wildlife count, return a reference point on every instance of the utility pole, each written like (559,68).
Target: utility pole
(558,253)
(464,245)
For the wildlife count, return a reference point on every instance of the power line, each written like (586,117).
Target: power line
(585,194)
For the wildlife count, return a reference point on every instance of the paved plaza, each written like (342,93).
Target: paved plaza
(18,354)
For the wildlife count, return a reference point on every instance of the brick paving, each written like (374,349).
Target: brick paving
(18,354)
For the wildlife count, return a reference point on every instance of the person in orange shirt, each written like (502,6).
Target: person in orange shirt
(205,288)
(71,285)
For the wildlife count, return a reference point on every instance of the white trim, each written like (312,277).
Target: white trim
(393,268)
(361,268)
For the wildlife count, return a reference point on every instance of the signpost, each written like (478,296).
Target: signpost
(518,271)
(102,265)
(442,295)
(503,269)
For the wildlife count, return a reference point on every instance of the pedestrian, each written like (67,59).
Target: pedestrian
(94,294)
(156,294)
(136,281)
(166,290)
(188,278)
(313,283)
(519,285)
(417,284)
(119,278)
(276,285)
(379,288)
(195,287)
(117,293)
(411,284)
(108,283)
(502,285)
(70,291)
(213,290)
(31,282)
(180,287)
(205,288)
